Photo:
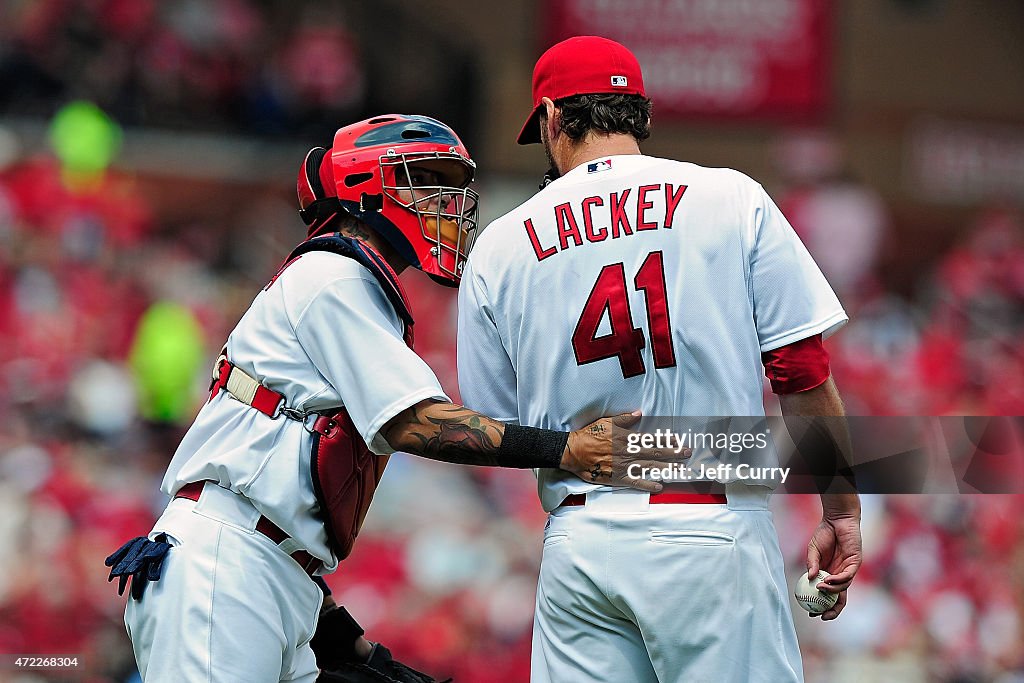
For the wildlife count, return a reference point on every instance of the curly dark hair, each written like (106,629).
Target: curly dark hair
(605,113)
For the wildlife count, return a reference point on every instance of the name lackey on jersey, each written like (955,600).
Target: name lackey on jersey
(602,217)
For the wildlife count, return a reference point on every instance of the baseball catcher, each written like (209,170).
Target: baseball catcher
(315,388)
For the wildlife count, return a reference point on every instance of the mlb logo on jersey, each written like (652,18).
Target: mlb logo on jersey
(619,81)
(602,165)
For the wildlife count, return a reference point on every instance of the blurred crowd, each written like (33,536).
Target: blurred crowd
(184,64)
(947,345)
(108,325)
(110,319)
(268,67)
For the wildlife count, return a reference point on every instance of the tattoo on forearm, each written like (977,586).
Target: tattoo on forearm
(595,472)
(443,431)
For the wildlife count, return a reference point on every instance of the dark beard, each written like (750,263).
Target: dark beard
(552,173)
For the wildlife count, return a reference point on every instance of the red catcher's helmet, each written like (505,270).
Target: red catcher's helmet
(407,177)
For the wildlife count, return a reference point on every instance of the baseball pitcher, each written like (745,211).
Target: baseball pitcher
(633,281)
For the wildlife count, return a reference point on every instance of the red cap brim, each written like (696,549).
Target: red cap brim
(530,134)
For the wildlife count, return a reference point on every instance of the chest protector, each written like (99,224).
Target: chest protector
(345,472)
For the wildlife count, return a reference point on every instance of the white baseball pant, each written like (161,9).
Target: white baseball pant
(230,604)
(630,591)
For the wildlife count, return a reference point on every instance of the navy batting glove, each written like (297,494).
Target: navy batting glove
(140,559)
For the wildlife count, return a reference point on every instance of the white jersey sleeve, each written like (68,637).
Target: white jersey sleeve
(487,379)
(354,339)
(792,300)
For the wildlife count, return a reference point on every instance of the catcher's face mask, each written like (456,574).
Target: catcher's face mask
(434,189)
(408,178)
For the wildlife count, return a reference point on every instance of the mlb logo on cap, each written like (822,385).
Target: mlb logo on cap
(581,65)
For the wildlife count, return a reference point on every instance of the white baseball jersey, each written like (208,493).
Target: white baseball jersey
(324,335)
(633,282)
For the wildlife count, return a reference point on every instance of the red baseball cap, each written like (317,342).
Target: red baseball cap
(581,65)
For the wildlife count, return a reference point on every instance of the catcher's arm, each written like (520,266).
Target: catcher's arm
(452,433)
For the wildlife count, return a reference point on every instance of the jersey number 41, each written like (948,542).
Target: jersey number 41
(625,342)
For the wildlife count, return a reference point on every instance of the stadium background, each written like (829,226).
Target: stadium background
(147,158)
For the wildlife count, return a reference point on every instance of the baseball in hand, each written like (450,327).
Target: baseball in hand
(812,599)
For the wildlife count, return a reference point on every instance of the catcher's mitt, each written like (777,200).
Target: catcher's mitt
(380,668)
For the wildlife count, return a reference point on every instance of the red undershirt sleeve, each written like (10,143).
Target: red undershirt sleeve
(795,367)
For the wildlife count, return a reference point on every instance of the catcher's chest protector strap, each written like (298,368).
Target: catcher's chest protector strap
(369,258)
(345,472)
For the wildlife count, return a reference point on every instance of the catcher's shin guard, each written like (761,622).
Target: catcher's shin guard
(380,668)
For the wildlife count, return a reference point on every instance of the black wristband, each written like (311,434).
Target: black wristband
(335,639)
(531,447)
